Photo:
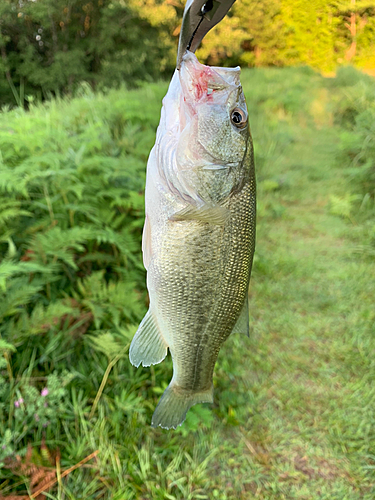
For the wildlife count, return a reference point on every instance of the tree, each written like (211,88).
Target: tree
(49,46)
(356,31)
(264,27)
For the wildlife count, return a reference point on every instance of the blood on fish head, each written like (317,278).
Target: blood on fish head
(209,97)
(200,83)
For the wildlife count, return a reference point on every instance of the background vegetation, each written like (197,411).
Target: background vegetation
(50,46)
(293,416)
(294,404)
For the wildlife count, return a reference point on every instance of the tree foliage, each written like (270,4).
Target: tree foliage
(49,46)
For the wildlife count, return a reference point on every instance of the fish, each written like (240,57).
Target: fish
(199,233)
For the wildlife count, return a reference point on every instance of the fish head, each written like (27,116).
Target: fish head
(211,131)
(213,113)
(203,137)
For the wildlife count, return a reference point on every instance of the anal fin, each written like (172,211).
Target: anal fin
(148,345)
(242,324)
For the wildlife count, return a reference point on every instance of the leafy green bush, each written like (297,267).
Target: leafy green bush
(354,110)
(71,205)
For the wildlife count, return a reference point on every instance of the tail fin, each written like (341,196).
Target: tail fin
(148,345)
(174,405)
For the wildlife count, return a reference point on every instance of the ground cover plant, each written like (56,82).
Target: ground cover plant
(294,404)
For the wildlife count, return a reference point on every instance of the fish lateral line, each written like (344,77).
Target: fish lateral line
(215,166)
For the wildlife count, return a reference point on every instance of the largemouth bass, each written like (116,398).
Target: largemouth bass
(199,232)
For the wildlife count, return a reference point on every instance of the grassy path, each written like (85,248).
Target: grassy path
(305,378)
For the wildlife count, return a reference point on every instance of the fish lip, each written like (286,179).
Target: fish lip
(190,57)
(197,79)
(200,84)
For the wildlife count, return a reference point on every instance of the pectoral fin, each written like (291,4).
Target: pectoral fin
(213,214)
(242,325)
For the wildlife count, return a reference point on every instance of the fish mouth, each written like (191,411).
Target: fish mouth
(201,83)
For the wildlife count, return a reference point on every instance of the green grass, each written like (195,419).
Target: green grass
(294,411)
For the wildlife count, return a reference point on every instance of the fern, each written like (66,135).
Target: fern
(71,280)
(44,318)
(9,268)
(5,346)
(18,294)
(12,182)
(110,303)
(342,205)
(10,209)
(60,244)
(106,343)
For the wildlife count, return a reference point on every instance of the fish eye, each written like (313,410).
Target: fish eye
(238,118)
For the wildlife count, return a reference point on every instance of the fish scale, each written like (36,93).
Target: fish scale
(199,235)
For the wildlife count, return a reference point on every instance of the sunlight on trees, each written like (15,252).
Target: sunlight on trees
(48,47)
